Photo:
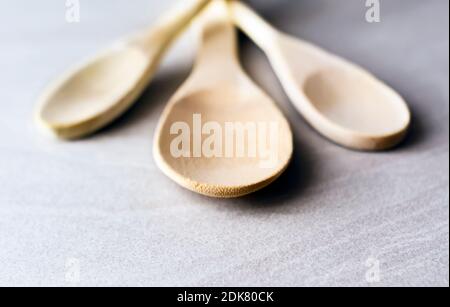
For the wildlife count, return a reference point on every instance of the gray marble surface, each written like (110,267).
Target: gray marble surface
(99,212)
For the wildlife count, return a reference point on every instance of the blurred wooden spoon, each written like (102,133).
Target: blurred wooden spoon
(92,95)
(219,93)
(341,100)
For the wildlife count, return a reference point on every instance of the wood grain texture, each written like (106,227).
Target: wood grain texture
(103,201)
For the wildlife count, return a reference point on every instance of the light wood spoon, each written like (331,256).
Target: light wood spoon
(341,100)
(92,95)
(220,92)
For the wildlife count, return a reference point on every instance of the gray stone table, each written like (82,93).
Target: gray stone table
(99,212)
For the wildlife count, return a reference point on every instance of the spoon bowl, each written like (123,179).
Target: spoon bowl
(96,93)
(355,102)
(339,99)
(220,102)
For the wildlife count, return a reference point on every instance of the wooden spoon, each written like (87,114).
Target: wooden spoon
(92,95)
(341,100)
(220,93)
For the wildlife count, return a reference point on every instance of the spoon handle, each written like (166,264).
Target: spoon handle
(167,28)
(261,32)
(218,41)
